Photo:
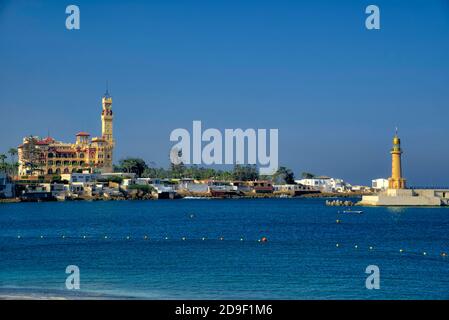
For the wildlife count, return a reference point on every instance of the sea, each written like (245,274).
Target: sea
(213,249)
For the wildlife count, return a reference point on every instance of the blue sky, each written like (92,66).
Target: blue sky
(334,90)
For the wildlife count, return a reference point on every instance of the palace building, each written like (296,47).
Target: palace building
(50,157)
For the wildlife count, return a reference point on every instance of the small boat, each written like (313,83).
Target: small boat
(353,211)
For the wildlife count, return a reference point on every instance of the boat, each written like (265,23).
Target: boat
(353,211)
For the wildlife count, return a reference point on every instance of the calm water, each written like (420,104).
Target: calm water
(300,260)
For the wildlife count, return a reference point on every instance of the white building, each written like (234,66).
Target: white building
(325,184)
(6,186)
(79,177)
(380,184)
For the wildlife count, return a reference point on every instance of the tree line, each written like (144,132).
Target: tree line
(239,172)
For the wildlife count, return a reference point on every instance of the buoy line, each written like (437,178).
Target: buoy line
(402,251)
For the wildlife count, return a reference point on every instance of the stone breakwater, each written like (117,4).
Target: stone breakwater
(339,203)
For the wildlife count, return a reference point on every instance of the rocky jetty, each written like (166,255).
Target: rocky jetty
(339,203)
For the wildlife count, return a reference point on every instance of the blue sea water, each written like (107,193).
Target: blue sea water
(301,259)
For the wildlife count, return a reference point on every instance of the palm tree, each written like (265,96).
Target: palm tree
(12,152)
(2,159)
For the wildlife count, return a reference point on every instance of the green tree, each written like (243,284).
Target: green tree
(12,152)
(284,176)
(14,165)
(178,170)
(132,165)
(2,160)
(307,175)
(245,172)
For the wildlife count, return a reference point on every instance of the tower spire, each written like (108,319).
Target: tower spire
(107,95)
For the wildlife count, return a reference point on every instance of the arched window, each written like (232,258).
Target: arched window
(66,170)
(51,155)
(58,171)
(81,155)
(74,170)
(50,171)
(74,163)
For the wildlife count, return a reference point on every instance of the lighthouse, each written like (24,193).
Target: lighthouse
(396,181)
(397,194)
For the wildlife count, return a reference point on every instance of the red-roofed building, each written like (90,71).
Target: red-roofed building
(48,156)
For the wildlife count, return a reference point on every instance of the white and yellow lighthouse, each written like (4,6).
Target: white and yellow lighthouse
(396,181)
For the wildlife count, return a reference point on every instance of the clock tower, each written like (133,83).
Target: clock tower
(106,129)
(106,118)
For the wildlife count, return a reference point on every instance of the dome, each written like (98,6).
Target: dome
(396,140)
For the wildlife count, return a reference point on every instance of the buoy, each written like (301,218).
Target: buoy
(337,245)
(371,248)
(84,237)
(203,238)
(264,239)
(400,250)
(127,237)
(192,216)
(221,238)
(105,237)
(18,237)
(183,238)
(241,239)
(424,253)
(63,237)
(337,221)
(145,237)
(42,237)
(443,254)
(356,246)
(166,238)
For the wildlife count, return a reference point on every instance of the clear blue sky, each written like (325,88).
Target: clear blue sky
(310,68)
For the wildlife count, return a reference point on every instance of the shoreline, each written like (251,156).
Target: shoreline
(193,196)
(16,293)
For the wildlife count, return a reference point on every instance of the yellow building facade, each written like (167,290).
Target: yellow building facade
(50,157)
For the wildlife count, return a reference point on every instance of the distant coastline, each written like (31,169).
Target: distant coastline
(193,196)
